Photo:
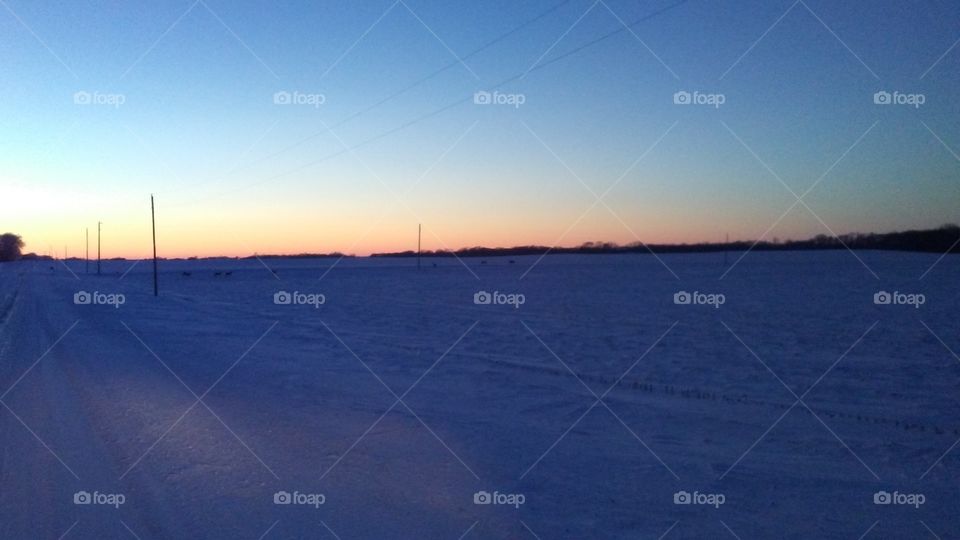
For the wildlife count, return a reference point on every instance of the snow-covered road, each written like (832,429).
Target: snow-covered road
(385,410)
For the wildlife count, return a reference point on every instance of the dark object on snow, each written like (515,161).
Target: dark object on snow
(186,274)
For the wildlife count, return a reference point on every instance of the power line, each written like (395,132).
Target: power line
(623,28)
(412,85)
(405,89)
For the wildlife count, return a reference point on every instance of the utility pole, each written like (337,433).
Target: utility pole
(153,222)
(98,246)
(419,228)
(87,256)
(726,247)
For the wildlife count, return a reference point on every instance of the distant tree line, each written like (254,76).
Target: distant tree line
(299,256)
(940,240)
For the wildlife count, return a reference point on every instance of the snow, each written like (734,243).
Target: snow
(398,398)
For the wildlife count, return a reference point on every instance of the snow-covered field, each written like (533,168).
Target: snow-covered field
(594,403)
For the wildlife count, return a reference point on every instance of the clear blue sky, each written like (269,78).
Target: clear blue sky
(198,125)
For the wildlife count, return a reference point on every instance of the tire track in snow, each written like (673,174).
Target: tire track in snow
(696,393)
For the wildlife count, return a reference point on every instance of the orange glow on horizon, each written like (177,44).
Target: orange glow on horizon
(49,224)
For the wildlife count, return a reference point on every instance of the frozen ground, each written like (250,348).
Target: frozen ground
(400,398)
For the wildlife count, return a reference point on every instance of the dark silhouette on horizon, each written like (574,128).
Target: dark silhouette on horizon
(944,239)
(940,240)
(10,246)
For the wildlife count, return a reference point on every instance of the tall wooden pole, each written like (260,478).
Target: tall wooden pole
(99,223)
(153,222)
(726,247)
(419,227)
(86,266)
